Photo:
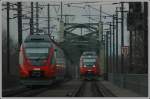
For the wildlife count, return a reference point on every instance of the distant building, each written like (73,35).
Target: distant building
(137,24)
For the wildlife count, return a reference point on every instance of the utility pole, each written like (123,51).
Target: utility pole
(19,24)
(145,35)
(31,20)
(100,13)
(61,35)
(101,24)
(61,11)
(89,15)
(110,48)
(130,48)
(37,17)
(107,62)
(48,18)
(8,53)
(113,25)
(116,40)
(122,36)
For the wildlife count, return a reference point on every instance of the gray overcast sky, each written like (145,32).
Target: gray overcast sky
(55,12)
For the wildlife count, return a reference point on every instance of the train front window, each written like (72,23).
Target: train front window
(37,52)
(89,62)
(37,45)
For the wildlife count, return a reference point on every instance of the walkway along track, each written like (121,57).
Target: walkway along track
(31,91)
(11,92)
(28,92)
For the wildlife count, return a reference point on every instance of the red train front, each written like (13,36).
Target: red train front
(39,61)
(89,66)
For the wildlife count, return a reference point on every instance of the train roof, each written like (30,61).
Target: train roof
(38,37)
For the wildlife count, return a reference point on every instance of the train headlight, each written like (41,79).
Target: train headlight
(94,66)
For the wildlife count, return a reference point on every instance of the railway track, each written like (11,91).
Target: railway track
(69,89)
(92,89)
(77,91)
(103,90)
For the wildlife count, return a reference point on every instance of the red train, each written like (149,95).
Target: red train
(89,66)
(41,61)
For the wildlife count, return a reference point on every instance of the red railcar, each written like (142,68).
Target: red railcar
(41,61)
(89,66)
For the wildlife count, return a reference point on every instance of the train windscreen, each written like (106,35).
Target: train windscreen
(37,52)
(89,62)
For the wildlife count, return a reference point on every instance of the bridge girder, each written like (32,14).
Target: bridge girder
(90,26)
(75,44)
